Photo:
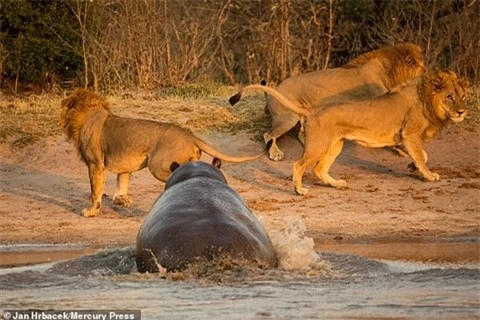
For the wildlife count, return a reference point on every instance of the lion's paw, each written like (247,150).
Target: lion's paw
(123,200)
(301,191)
(90,212)
(339,184)
(432,176)
(276,156)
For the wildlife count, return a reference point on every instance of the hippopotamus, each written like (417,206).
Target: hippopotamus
(200,217)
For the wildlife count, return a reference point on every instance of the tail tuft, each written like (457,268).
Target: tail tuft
(234,99)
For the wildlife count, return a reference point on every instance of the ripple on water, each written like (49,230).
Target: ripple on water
(306,285)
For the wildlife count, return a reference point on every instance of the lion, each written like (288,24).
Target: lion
(371,74)
(125,145)
(403,118)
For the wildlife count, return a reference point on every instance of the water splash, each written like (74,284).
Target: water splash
(295,251)
(296,255)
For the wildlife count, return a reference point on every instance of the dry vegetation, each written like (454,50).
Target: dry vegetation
(118,44)
(197,107)
(25,120)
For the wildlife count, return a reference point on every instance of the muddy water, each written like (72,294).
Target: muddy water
(441,252)
(308,285)
(22,255)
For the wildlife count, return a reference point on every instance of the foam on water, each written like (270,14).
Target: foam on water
(295,251)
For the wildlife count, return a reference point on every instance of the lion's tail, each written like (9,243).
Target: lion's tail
(205,147)
(287,103)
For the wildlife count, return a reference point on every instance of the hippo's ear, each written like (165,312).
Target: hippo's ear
(174,166)
(217,163)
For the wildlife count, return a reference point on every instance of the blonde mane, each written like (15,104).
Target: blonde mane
(397,61)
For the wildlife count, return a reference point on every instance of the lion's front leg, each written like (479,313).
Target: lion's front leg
(412,167)
(97,182)
(121,196)
(419,157)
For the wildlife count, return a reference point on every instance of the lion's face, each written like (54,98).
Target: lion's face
(449,96)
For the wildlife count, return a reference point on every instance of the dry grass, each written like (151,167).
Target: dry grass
(25,120)
(197,110)
(200,108)
(472,120)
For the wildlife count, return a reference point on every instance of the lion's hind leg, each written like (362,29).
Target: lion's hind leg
(281,124)
(161,159)
(301,131)
(323,166)
(121,196)
(274,152)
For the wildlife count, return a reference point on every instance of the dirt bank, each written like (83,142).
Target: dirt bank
(44,186)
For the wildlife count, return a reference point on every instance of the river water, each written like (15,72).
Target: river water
(308,285)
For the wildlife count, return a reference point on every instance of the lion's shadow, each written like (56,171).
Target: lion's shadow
(354,160)
(72,193)
(65,192)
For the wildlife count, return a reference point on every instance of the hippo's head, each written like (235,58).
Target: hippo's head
(194,169)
